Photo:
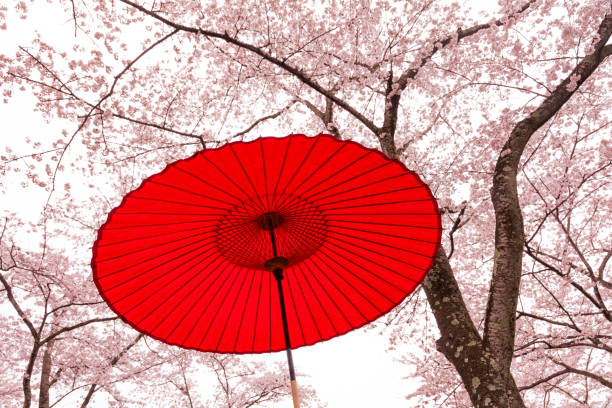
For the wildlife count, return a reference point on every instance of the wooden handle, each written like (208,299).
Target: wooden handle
(294,393)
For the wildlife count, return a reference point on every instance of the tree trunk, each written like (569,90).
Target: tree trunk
(461,343)
(90,393)
(45,377)
(27,376)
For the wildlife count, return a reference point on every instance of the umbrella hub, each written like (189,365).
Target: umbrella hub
(270,220)
(244,233)
(275,264)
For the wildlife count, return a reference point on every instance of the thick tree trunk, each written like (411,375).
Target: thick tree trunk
(27,377)
(484,364)
(461,343)
(45,377)
(500,319)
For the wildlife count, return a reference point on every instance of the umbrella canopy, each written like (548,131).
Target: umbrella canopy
(183,257)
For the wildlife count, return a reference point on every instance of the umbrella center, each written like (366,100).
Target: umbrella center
(270,220)
(243,232)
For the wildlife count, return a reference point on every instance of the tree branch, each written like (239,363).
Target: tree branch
(296,72)
(263,119)
(544,380)
(461,34)
(76,326)
(499,332)
(18,309)
(588,374)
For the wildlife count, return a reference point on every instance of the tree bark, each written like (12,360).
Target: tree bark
(484,364)
(461,343)
(45,377)
(500,318)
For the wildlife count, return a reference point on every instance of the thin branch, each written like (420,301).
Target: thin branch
(18,309)
(544,380)
(588,374)
(461,34)
(263,119)
(296,72)
(76,326)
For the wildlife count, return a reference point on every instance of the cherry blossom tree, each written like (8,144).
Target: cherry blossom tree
(503,109)
(55,345)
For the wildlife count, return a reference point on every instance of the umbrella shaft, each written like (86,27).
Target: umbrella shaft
(278,274)
(273,243)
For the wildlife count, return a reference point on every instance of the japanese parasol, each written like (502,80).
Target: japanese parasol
(266,245)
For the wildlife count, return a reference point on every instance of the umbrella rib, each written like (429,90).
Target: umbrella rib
(361,197)
(151,236)
(317,256)
(216,270)
(207,183)
(299,266)
(378,223)
(148,270)
(381,244)
(326,247)
(373,205)
(328,295)
(308,225)
(207,306)
(282,193)
(234,231)
(320,182)
(376,263)
(164,273)
(287,240)
(171,295)
(297,317)
(182,213)
(307,305)
(257,312)
(193,305)
(263,165)
(383,233)
(152,247)
(246,302)
(157,255)
(231,310)
(248,178)
(302,214)
(360,186)
(152,225)
(270,308)
(175,187)
(292,236)
(226,176)
(280,173)
(366,172)
(161,200)
(301,228)
(355,289)
(315,171)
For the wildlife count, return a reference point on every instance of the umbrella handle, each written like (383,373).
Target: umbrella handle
(294,394)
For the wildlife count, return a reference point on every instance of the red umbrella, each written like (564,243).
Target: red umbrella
(193,255)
